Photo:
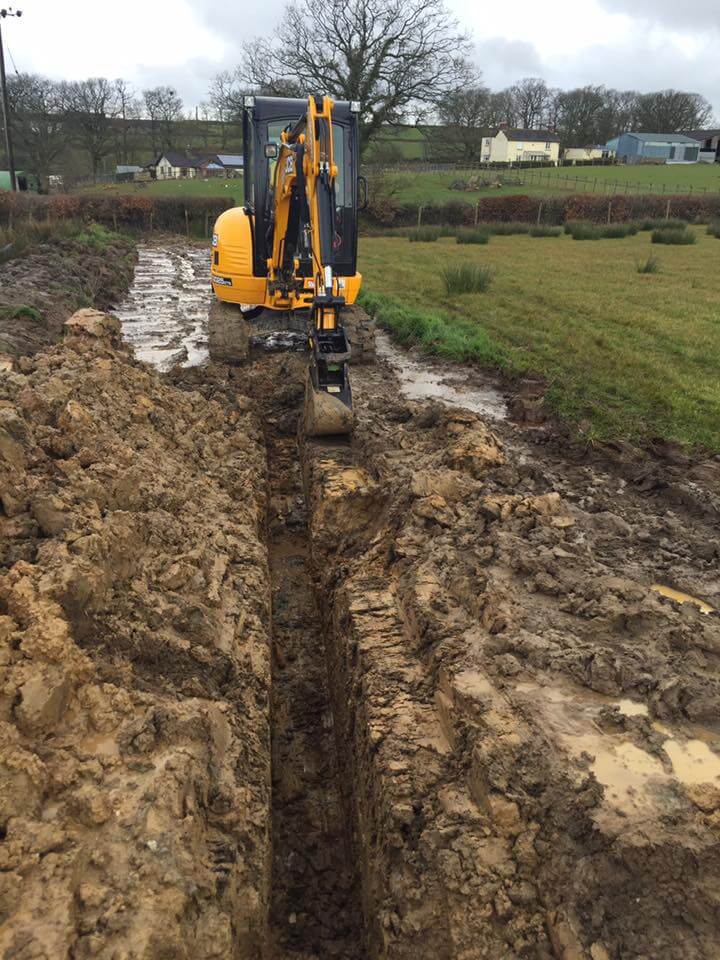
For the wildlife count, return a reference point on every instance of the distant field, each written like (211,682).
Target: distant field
(636,356)
(212,187)
(420,187)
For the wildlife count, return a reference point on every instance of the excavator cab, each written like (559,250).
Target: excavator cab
(292,248)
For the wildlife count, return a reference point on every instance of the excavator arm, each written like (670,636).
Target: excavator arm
(304,239)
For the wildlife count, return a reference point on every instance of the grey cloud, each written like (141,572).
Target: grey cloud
(688,16)
(504,61)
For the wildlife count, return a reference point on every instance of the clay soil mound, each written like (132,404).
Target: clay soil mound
(134,745)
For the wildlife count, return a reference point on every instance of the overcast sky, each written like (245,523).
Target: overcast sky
(642,44)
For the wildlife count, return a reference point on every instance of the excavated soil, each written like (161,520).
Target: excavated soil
(448,689)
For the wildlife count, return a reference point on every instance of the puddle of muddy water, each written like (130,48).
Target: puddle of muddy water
(421,382)
(679,597)
(164,317)
(628,773)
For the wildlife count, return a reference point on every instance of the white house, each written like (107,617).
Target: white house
(509,145)
(174,166)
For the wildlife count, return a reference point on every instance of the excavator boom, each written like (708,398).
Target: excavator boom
(301,213)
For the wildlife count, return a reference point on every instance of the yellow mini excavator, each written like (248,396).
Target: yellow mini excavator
(292,247)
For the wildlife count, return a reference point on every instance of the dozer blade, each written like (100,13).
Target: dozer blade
(328,399)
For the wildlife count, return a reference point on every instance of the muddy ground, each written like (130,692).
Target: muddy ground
(412,695)
(43,286)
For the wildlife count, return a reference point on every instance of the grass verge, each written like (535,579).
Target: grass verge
(633,359)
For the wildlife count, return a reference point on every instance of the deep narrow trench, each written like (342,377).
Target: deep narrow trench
(315,902)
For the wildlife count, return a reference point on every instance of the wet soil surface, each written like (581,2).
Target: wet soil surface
(43,286)
(526,725)
(448,689)
(164,317)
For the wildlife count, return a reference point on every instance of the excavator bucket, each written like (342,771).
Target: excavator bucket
(328,398)
(324,413)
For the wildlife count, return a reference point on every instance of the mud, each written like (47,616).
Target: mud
(135,756)
(461,722)
(165,314)
(40,289)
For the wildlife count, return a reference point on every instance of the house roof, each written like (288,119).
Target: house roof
(515,134)
(662,137)
(231,159)
(702,134)
(177,159)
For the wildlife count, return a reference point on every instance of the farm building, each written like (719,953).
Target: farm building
(173,165)
(510,145)
(231,163)
(575,154)
(125,172)
(709,141)
(660,147)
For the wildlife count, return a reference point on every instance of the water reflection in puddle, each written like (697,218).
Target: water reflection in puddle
(629,773)
(420,382)
(164,317)
(679,597)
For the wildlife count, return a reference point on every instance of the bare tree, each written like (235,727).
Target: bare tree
(389,55)
(163,107)
(465,114)
(92,105)
(619,114)
(580,115)
(38,116)
(531,96)
(670,111)
(502,106)
(128,111)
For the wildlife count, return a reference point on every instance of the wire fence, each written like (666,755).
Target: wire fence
(545,178)
(548,176)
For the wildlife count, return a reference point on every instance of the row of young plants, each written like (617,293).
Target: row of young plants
(671,231)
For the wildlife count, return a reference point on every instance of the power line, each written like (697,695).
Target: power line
(12,60)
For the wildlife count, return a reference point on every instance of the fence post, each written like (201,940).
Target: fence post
(609,210)
(187,222)
(420,210)
(540,206)
(667,210)
(477,212)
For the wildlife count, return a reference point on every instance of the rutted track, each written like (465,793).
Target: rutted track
(165,315)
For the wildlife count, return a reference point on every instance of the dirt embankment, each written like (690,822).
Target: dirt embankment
(134,705)
(524,727)
(42,287)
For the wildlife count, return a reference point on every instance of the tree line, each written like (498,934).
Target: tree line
(101,118)
(402,60)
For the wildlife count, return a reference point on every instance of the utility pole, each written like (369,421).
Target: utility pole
(7,12)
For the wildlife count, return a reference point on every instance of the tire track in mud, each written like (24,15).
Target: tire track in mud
(164,316)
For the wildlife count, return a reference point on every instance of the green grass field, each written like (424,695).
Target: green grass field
(635,355)
(434,188)
(212,187)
